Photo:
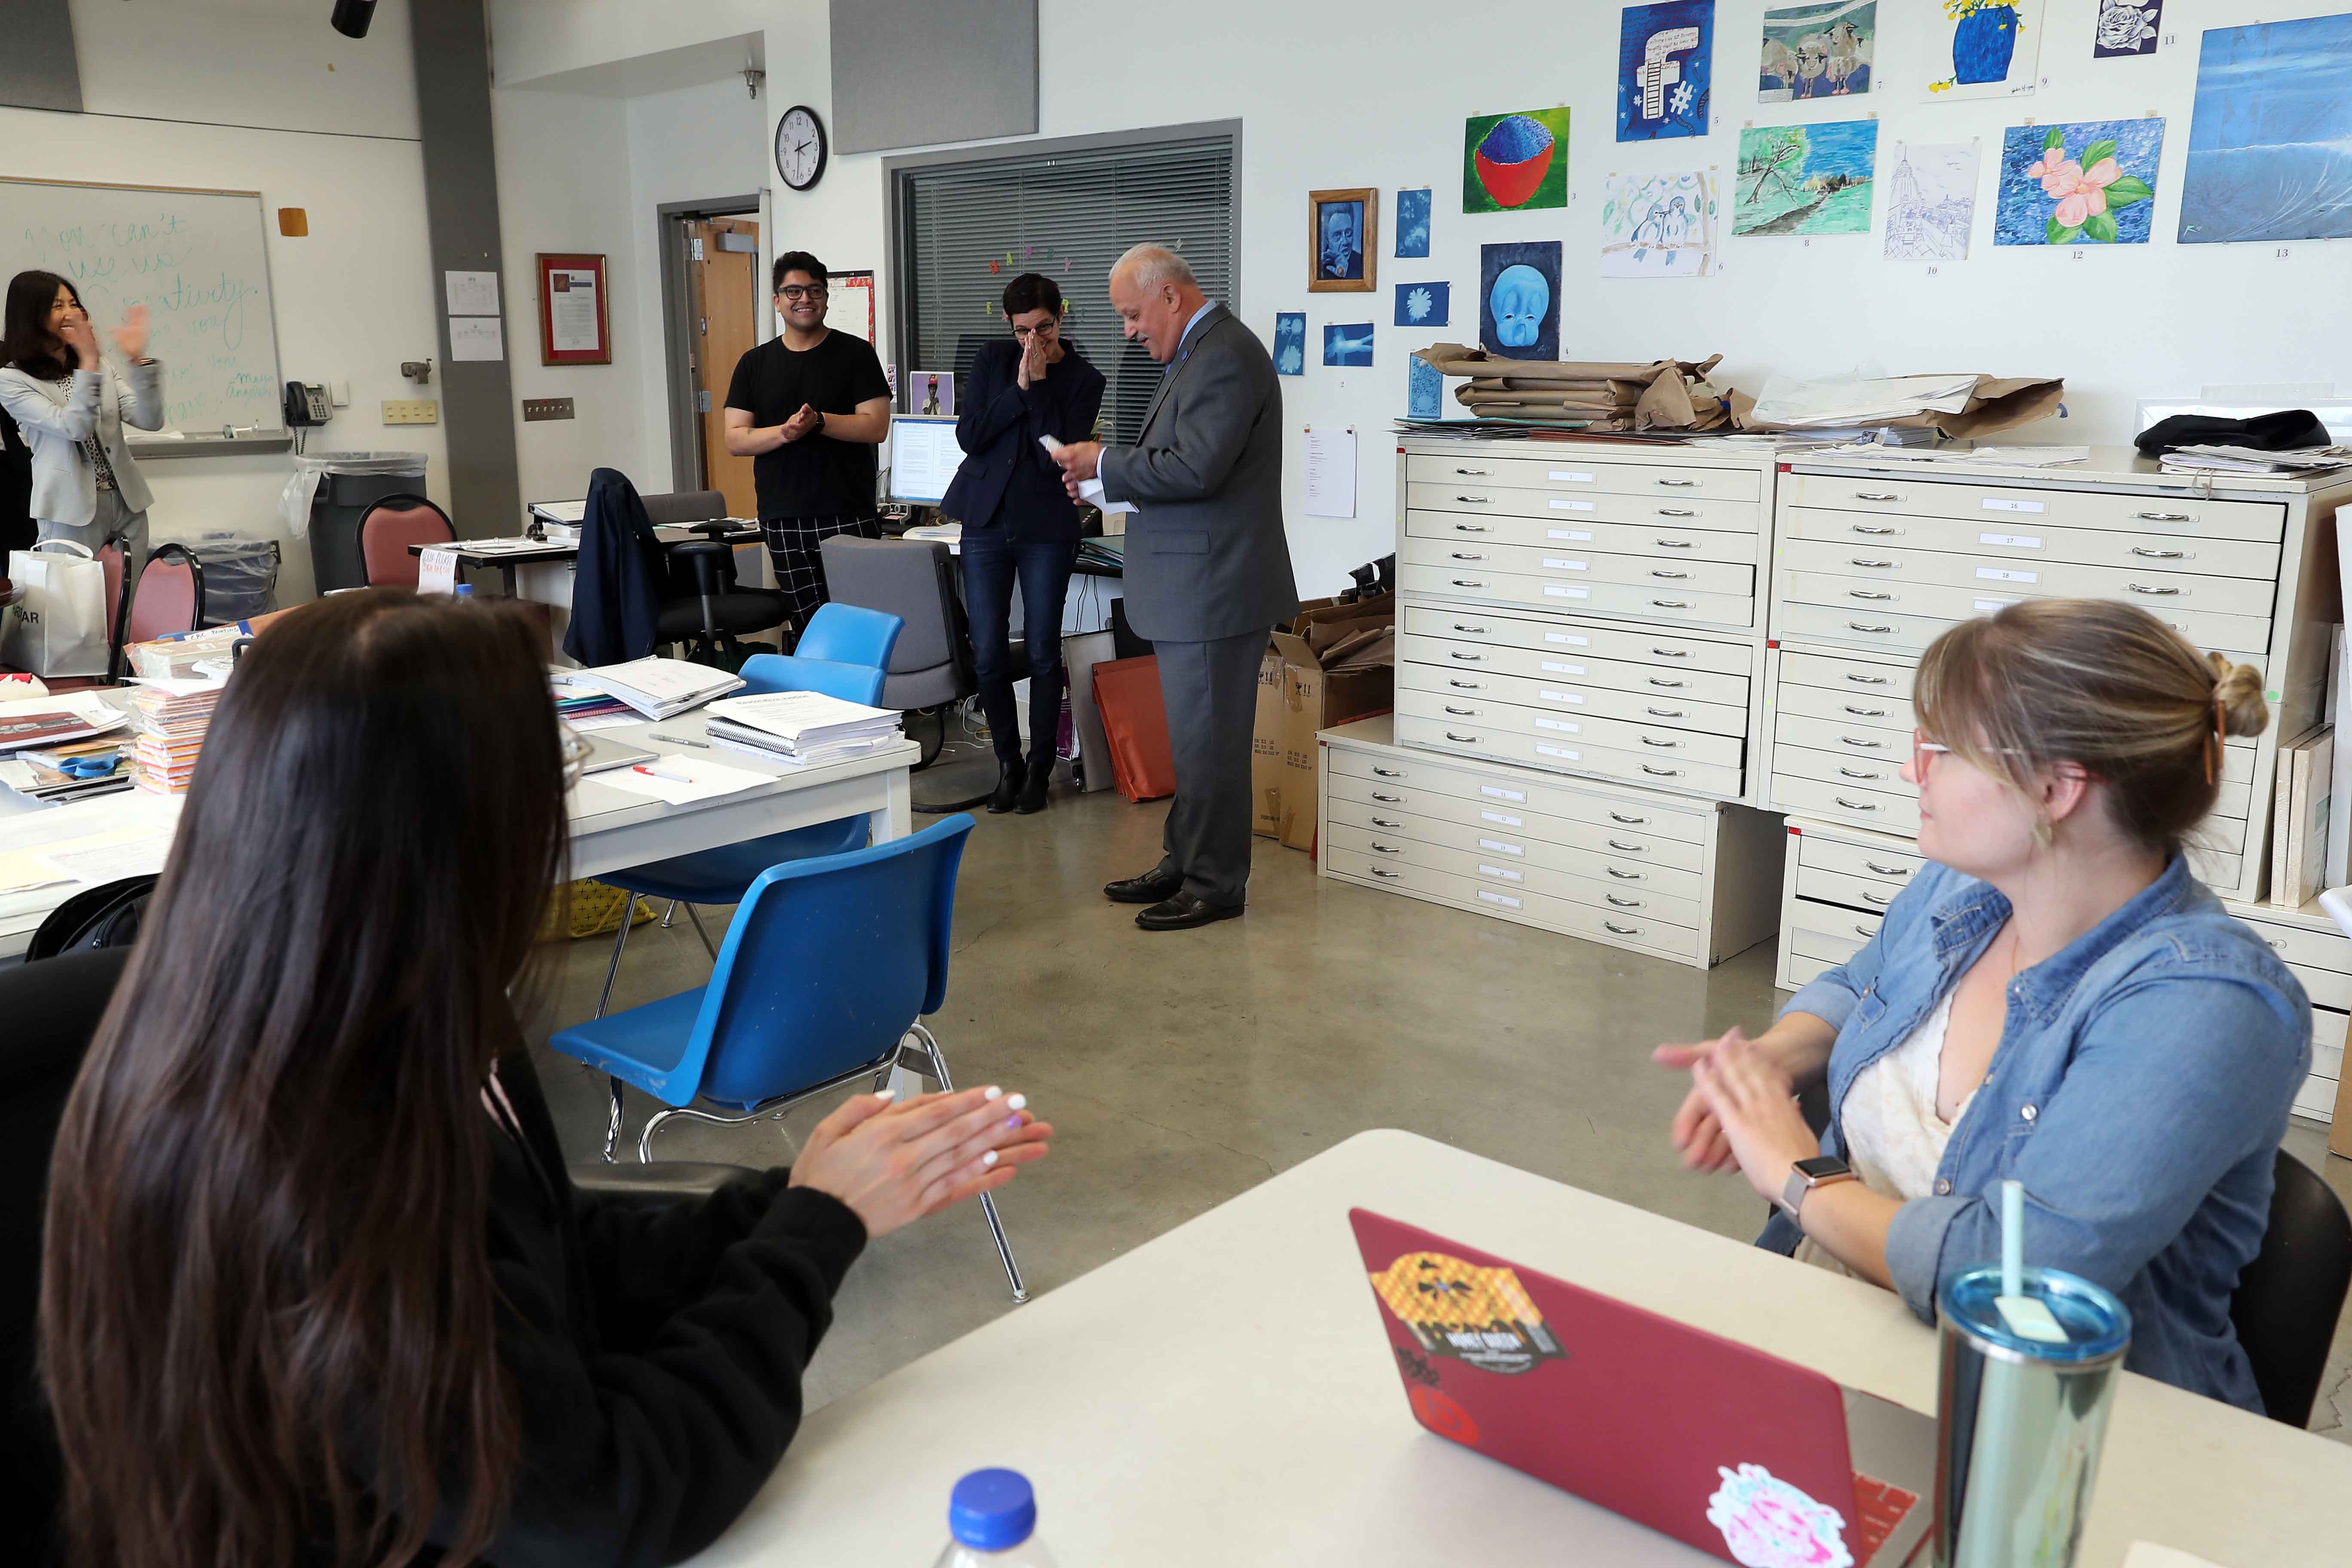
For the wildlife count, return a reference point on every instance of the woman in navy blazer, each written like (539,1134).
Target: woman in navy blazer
(1017,518)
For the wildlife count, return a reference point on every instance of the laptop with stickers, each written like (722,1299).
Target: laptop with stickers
(1743,1455)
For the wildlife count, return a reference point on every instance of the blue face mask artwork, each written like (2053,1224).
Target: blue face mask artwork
(1519,300)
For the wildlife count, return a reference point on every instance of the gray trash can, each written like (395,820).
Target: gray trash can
(240,575)
(328,493)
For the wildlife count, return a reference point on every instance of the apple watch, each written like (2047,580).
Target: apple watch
(1821,1171)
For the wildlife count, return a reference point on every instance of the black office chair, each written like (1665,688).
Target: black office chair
(698,603)
(2291,1296)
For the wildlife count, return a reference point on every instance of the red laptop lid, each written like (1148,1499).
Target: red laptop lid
(1731,1450)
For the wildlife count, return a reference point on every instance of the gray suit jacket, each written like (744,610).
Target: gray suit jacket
(1205,552)
(57,420)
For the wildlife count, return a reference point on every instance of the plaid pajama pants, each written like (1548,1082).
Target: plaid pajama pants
(800,570)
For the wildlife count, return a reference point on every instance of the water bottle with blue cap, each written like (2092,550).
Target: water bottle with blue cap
(993,1518)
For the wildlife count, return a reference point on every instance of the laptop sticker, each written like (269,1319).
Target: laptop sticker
(1768,1523)
(1442,1416)
(1482,1317)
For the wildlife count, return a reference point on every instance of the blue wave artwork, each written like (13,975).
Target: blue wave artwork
(1350,345)
(1412,222)
(1664,62)
(1290,342)
(1425,304)
(1424,389)
(2269,147)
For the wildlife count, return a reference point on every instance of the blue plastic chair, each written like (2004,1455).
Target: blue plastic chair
(827,969)
(847,633)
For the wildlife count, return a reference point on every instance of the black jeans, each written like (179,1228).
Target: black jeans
(990,563)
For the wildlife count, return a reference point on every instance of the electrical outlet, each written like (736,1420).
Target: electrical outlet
(411,411)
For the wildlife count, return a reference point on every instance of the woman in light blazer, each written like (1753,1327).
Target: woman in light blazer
(86,488)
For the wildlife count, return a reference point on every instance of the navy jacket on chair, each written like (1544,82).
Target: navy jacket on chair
(1007,476)
(615,598)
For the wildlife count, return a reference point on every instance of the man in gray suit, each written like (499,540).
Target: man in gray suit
(1208,569)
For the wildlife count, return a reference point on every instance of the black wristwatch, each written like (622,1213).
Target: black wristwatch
(820,423)
(1821,1171)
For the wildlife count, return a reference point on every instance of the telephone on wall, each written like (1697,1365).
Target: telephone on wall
(306,403)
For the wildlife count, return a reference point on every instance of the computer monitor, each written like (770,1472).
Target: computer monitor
(924,458)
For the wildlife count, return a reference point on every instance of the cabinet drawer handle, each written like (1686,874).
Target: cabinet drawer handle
(1627,903)
(1857,626)
(1467,556)
(1385,874)
(1384,822)
(1663,712)
(1854,805)
(1674,604)
(1875,533)
(1862,777)
(1661,772)
(1866,561)
(1474,501)
(1866,680)
(1467,582)
(1467,685)
(2160,555)
(2165,517)
(1680,484)
(1864,712)
(1663,745)
(1388,773)
(1621,930)
(1465,740)
(1461,712)
(1881,899)
(1629,821)
(1865,931)
(1387,799)
(1888,871)
(1670,576)
(1865,745)
(1468,657)
(1622,876)
(2154,592)
(1669,685)
(1475,473)
(1877,495)
(1630,848)
(1469,528)
(1670,653)
(1381,848)
(1866,594)
(2276,943)
(1473,631)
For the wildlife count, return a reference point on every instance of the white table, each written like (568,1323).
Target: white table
(612,828)
(1224,1394)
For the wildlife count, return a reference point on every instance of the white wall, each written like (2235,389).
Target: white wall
(354,298)
(2119,323)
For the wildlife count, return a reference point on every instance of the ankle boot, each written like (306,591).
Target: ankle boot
(1008,787)
(1033,788)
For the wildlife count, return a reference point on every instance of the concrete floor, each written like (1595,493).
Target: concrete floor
(1180,1069)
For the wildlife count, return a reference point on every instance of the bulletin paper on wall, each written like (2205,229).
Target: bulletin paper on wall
(1330,472)
(481,338)
(572,316)
(473,293)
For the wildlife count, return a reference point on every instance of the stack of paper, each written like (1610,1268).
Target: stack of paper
(657,687)
(52,720)
(2213,460)
(2299,826)
(177,656)
(586,709)
(1859,400)
(172,719)
(801,726)
(73,770)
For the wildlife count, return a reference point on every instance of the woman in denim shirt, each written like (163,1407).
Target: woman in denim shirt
(2054,999)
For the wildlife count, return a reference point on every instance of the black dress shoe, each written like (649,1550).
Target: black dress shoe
(1183,912)
(1007,793)
(1033,788)
(1148,889)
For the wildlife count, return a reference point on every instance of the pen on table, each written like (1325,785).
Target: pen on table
(684,741)
(657,773)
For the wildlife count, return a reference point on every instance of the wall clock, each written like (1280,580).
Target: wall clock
(800,147)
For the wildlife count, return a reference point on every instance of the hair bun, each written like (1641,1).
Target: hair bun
(2238,688)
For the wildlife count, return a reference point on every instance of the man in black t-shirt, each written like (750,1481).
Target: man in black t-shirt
(808,408)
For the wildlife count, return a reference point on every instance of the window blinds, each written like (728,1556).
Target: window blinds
(1068,215)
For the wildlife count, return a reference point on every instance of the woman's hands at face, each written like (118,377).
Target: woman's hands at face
(132,336)
(893,1163)
(82,337)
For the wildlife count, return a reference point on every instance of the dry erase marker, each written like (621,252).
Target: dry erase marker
(684,741)
(657,773)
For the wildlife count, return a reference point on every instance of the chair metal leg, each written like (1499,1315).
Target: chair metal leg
(645,1138)
(612,1126)
(669,915)
(987,1203)
(620,941)
(705,936)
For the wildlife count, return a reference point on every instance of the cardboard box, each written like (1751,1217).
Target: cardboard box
(1315,696)
(1266,748)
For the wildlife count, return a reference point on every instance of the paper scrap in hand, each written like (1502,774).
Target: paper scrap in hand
(692,780)
(1090,491)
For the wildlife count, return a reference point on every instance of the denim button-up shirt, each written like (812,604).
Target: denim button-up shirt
(2139,1092)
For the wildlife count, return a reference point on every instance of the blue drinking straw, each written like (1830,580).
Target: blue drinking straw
(2013,1239)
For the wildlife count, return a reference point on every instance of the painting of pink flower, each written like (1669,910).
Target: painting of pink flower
(2052,194)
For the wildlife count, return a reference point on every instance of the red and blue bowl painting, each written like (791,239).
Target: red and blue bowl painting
(1513,158)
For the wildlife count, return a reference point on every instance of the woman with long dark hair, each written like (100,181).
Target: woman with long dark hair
(54,383)
(316,1288)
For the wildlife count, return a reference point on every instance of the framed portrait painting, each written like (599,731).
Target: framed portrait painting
(1343,241)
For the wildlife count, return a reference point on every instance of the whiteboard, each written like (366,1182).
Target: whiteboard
(197,260)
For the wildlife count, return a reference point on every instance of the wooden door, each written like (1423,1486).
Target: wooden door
(723,260)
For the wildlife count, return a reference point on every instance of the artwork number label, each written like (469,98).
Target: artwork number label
(1933,271)
(2080,253)
(2282,252)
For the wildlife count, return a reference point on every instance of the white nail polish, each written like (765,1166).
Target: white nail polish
(1016,1102)
(886,1094)
(990,1092)
(989,1158)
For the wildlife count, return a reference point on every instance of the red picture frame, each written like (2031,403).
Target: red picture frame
(559,274)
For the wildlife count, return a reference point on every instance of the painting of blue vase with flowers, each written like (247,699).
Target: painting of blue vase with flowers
(1983,49)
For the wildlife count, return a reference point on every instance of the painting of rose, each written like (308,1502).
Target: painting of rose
(2092,183)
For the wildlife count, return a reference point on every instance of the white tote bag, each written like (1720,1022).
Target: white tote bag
(58,624)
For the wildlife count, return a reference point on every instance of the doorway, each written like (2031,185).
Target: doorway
(711,287)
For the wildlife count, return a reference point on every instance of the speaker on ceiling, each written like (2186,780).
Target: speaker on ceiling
(351,18)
